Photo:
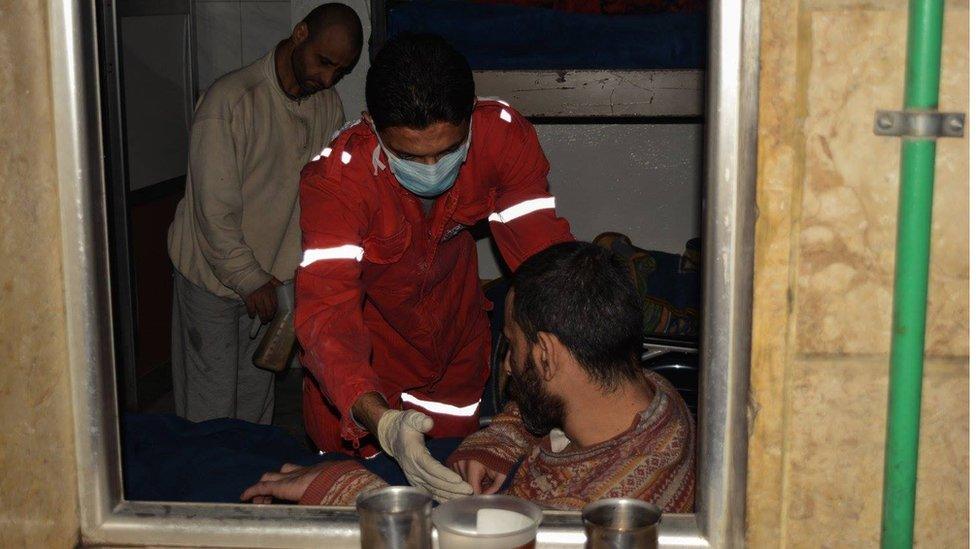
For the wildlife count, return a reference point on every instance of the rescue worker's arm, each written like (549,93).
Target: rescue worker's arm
(368,409)
(524,220)
(218,205)
(329,294)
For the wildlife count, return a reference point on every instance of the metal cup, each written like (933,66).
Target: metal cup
(621,523)
(397,517)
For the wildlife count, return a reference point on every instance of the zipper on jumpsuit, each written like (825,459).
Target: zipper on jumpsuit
(434,229)
(438,218)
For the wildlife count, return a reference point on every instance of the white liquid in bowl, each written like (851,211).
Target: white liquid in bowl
(500,521)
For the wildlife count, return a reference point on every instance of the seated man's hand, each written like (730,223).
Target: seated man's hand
(482,479)
(289,484)
(401,434)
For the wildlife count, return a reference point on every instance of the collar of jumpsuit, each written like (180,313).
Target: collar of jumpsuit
(389,297)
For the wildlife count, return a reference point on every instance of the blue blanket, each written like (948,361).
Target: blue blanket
(167,458)
(509,37)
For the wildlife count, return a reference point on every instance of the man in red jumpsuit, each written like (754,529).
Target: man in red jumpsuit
(389,309)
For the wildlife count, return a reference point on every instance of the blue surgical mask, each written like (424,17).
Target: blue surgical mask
(428,180)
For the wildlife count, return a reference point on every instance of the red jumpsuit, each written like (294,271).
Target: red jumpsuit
(388,297)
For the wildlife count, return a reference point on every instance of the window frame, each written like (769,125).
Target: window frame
(107,518)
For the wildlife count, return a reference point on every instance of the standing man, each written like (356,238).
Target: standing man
(236,236)
(390,312)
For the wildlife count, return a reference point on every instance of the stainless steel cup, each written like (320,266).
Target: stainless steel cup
(397,517)
(621,523)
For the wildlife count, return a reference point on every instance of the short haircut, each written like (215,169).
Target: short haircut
(417,80)
(582,294)
(334,14)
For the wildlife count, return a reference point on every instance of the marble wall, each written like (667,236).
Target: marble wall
(38,494)
(827,200)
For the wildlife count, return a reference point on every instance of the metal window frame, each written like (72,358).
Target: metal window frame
(107,518)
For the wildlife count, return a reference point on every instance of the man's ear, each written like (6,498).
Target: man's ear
(548,350)
(300,33)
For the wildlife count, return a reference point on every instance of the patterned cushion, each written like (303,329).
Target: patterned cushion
(669,283)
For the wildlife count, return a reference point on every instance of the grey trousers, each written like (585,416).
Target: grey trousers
(213,376)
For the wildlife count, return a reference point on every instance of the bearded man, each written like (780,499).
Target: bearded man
(585,422)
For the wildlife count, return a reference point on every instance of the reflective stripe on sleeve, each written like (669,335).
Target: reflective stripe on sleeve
(349,251)
(440,407)
(523,208)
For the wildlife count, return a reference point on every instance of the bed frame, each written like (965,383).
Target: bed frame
(592,93)
(598,93)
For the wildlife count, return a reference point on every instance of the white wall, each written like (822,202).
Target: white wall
(640,180)
(233,33)
(643,180)
(158,96)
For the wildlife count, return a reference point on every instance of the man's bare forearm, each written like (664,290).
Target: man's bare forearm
(368,409)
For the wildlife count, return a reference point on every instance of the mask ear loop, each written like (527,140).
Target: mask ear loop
(377,163)
(470,133)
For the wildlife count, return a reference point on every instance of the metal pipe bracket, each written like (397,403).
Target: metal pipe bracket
(919,124)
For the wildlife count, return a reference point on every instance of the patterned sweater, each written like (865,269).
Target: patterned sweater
(654,461)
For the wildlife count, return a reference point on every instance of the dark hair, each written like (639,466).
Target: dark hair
(335,14)
(582,294)
(417,80)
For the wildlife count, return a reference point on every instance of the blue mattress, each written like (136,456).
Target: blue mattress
(507,37)
(166,458)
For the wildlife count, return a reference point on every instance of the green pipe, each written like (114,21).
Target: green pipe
(911,278)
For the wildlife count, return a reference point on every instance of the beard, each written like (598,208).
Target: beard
(541,411)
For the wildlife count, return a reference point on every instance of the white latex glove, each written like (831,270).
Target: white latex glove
(401,434)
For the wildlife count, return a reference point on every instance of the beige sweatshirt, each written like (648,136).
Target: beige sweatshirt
(237,225)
